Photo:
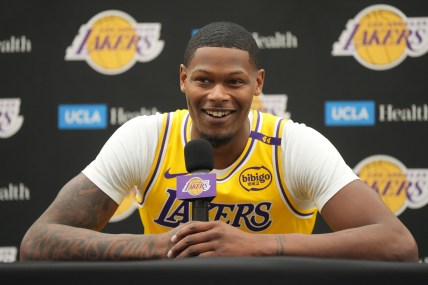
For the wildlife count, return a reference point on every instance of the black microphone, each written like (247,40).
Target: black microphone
(199,159)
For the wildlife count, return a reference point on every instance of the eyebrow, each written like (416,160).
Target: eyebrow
(208,72)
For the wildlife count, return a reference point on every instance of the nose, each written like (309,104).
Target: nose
(218,93)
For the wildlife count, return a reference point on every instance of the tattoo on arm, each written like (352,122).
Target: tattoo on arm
(81,204)
(68,230)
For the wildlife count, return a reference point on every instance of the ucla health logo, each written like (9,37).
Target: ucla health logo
(10,119)
(349,113)
(112,42)
(380,37)
(398,186)
(79,116)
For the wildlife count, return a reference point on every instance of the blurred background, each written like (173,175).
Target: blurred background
(72,72)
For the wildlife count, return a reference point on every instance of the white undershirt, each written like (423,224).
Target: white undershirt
(314,171)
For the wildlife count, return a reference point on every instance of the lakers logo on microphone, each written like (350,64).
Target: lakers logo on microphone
(196,185)
(112,42)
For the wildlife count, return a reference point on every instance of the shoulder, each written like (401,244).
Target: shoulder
(314,168)
(306,143)
(301,134)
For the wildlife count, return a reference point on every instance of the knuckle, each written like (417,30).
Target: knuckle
(188,240)
(192,252)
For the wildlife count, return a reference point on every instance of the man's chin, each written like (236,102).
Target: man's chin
(217,141)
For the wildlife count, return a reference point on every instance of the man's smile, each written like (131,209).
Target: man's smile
(218,114)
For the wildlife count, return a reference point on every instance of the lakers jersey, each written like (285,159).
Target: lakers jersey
(250,194)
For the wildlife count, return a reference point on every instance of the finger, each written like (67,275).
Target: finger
(208,254)
(200,249)
(181,247)
(190,229)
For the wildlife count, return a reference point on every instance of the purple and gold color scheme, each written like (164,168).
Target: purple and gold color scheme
(196,186)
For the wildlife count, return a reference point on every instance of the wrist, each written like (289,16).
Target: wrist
(271,245)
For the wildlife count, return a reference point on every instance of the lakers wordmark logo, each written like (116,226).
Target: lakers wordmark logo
(112,42)
(398,186)
(380,37)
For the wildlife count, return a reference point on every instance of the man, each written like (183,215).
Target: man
(299,173)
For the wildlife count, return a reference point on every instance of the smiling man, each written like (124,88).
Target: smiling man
(219,84)
(298,173)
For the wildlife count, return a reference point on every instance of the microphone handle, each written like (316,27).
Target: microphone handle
(200,209)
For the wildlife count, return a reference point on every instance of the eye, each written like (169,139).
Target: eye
(235,82)
(202,80)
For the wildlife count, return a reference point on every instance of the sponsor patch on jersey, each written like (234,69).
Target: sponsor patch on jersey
(255,178)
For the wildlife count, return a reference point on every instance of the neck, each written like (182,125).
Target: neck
(225,155)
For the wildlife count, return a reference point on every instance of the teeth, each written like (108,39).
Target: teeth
(218,114)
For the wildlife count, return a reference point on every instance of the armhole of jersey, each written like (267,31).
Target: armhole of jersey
(186,129)
(288,201)
(160,149)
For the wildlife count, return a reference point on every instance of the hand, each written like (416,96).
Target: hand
(213,239)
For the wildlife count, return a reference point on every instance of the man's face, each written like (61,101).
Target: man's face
(219,84)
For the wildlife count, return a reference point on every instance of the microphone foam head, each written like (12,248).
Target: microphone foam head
(199,155)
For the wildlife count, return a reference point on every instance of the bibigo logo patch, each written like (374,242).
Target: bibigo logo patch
(112,42)
(381,36)
(255,178)
(398,186)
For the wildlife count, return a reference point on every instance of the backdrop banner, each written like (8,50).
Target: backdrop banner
(72,72)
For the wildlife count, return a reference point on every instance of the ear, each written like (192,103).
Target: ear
(259,82)
(183,77)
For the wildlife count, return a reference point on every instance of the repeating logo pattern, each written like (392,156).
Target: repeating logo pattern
(275,104)
(112,42)
(380,37)
(349,113)
(398,186)
(10,119)
(82,116)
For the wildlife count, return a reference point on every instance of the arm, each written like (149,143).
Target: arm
(364,228)
(69,229)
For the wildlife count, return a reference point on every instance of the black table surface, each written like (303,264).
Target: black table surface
(217,270)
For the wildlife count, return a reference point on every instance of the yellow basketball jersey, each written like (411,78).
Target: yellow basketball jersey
(251,193)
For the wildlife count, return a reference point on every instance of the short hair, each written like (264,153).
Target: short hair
(223,34)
